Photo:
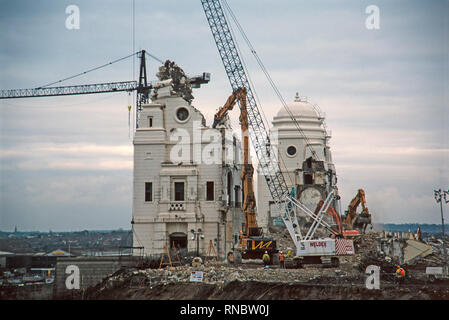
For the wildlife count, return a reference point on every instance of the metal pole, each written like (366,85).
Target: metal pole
(197,244)
(442,227)
(439,195)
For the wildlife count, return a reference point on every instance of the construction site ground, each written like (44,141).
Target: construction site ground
(251,281)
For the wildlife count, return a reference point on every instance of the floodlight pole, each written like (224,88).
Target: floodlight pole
(439,195)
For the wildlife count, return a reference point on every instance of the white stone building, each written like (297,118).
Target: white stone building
(176,187)
(311,176)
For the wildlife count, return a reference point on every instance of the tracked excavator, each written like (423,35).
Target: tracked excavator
(353,220)
(252,243)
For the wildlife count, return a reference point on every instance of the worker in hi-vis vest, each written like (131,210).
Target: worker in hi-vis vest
(400,274)
(282,260)
(266,258)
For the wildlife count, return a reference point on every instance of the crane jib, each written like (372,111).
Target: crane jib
(69,90)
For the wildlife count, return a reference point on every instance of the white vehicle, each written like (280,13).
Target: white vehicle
(434,273)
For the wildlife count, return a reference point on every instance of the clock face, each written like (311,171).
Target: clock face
(182,114)
(310,198)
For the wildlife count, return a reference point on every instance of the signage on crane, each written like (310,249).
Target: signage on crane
(317,247)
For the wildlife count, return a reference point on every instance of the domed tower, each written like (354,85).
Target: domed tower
(304,157)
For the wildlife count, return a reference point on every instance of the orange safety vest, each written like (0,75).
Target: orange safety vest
(400,272)
(281,257)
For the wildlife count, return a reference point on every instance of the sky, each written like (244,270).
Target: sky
(66,162)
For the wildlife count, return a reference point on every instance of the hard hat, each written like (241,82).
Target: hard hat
(266,251)
(281,251)
(398,266)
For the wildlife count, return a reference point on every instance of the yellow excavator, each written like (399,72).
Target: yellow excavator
(354,220)
(252,243)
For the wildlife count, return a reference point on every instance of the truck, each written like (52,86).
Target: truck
(437,273)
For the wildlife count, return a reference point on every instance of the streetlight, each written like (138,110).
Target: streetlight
(197,234)
(439,195)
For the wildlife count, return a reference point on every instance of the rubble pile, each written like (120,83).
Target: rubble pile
(436,259)
(218,274)
(251,280)
(229,282)
(171,70)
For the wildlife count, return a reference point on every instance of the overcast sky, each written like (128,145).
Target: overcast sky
(66,162)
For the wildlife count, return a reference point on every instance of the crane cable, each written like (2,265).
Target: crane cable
(155,58)
(85,72)
(97,68)
(270,80)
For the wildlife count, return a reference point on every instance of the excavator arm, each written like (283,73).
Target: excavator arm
(249,198)
(239,94)
(352,219)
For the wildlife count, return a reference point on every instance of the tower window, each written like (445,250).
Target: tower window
(179,191)
(210,191)
(182,114)
(309,162)
(148,191)
(229,188)
(237,196)
(150,122)
(291,151)
(308,179)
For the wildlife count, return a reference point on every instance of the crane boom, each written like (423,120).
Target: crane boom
(69,90)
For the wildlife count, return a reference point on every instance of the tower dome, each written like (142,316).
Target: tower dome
(299,108)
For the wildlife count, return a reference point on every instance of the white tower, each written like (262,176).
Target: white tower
(304,157)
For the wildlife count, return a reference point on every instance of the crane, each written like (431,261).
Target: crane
(141,87)
(260,139)
(252,243)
